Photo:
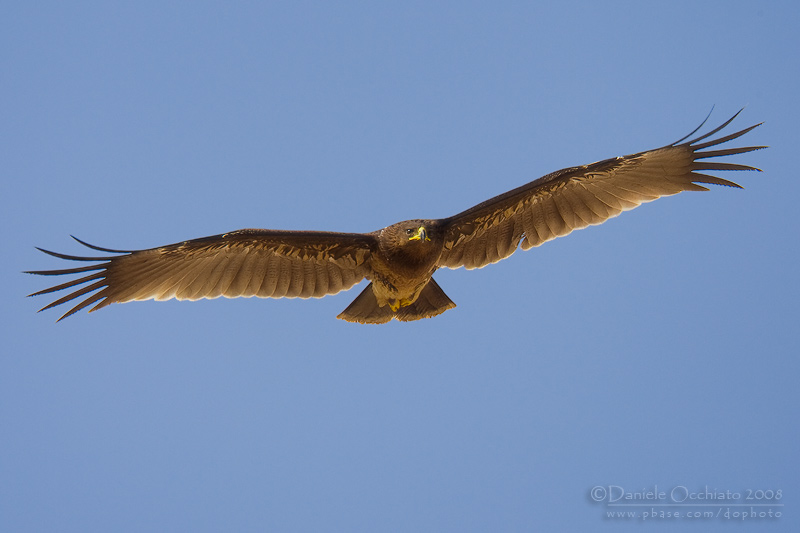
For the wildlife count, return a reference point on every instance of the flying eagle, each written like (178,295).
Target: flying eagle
(400,259)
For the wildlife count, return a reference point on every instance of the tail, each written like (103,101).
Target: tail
(432,301)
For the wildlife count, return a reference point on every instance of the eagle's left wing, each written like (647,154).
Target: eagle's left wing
(573,198)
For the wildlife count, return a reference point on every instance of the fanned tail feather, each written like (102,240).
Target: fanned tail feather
(364,309)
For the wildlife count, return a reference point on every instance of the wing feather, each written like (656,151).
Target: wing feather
(577,197)
(264,263)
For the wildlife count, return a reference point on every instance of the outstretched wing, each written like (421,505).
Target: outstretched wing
(251,262)
(573,198)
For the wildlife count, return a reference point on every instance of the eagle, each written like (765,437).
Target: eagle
(398,260)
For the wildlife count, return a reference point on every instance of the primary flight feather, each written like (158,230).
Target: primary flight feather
(400,259)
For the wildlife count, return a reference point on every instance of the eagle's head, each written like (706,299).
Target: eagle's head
(411,238)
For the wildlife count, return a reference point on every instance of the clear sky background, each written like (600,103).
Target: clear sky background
(659,349)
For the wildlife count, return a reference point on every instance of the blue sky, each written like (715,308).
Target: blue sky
(658,349)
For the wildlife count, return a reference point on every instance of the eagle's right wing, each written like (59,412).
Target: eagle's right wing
(252,262)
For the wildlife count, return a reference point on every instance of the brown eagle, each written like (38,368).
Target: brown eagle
(400,259)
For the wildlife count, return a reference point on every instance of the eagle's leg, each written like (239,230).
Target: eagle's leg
(431,301)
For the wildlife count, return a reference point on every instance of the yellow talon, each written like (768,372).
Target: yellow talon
(395,305)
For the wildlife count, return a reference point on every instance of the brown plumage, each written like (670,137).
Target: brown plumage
(400,259)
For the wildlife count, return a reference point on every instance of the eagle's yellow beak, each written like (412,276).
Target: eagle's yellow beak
(420,235)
